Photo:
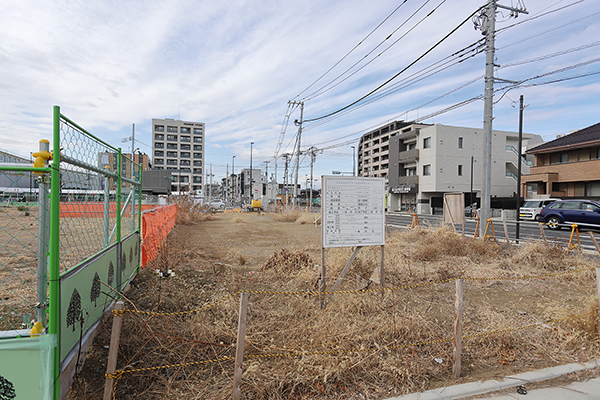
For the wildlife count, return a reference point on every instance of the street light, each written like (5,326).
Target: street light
(353,162)
(251,180)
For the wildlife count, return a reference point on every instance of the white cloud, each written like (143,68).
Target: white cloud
(235,64)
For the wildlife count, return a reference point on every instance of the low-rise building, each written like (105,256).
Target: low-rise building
(568,166)
(425,161)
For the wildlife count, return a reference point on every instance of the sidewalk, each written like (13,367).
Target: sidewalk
(507,388)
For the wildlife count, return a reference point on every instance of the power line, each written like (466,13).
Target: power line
(398,74)
(322,90)
(534,17)
(418,76)
(354,48)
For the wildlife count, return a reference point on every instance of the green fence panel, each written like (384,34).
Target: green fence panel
(86,292)
(26,367)
(130,258)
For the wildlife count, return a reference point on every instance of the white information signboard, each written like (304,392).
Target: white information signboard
(353,211)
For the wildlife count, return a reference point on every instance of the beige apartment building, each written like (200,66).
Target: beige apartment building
(178,146)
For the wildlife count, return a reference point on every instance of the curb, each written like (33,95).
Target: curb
(479,387)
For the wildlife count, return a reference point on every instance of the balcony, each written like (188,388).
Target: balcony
(408,180)
(408,156)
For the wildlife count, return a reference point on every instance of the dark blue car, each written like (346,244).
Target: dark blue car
(585,213)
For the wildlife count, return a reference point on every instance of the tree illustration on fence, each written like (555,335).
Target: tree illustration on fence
(111,274)
(7,389)
(130,255)
(123,263)
(95,292)
(74,310)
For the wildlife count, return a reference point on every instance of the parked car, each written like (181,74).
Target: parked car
(471,209)
(217,204)
(530,210)
(566,212)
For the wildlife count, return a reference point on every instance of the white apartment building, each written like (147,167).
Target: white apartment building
(426,161)
(178,146)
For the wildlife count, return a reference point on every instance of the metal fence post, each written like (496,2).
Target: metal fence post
(43,238)
(119,183)
(54,250)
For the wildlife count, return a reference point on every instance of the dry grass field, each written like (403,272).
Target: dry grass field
(366,343)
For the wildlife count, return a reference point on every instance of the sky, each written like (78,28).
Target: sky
(235,65)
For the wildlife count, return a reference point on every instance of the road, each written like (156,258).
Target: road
(527,231)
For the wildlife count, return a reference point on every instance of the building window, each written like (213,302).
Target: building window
(184,179)
(172,154)
(172,146)
(426,169)
(197,171)
(159,161)
(427,142)
(185,139)
(410,171)
(159,153)
(159,145)
(172,138)
(185,154)
(171,162)
(197,163)
(184,130)
(411,146)
(172,129)
(184,162)
(197,131)
(197,139)
(197,147)
(185,147)
(460,143)
(159,128)
(159,136)
(460,170)
(185,170)
(197,179)
(564,157)
(197,155)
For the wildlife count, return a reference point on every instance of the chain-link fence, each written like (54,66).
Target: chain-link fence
(23,269)
(96,181)
(92,195)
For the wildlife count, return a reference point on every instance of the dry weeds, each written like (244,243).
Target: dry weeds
(362,345)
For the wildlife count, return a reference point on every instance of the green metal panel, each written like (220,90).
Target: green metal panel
(130,258)
(26,367)
(84,296)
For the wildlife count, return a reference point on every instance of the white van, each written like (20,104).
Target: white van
(531,208)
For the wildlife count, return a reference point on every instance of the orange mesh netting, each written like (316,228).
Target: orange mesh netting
(156,225)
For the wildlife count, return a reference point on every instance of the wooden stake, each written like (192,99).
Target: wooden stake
(322,286)
(340,278)
(506,232)
(113,352)
(594,241)
(239,352)
(458,303)
(542,230)
(598,290)
(381,270)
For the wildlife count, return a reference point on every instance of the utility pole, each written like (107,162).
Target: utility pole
(286,157)
(210,187)
(227,183)
(299,124)
(313,157)
(519,161)
(489,30)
